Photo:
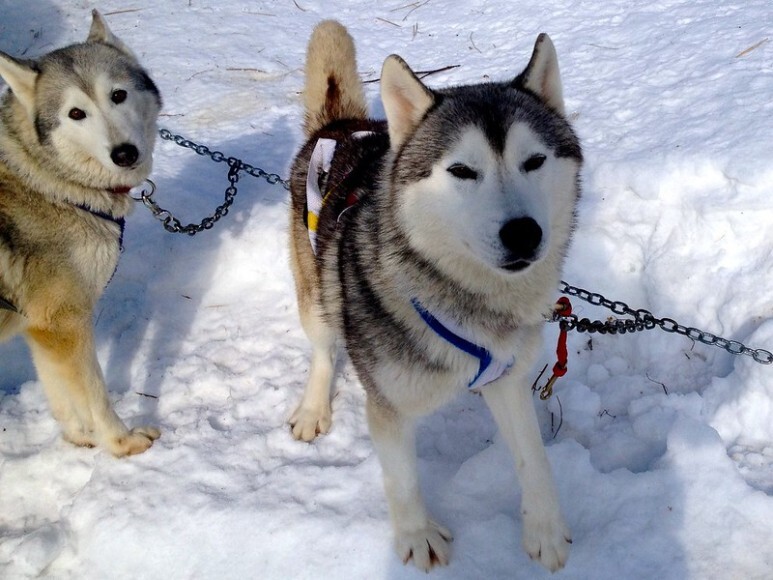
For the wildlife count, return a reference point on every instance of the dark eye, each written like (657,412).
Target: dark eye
(461,171)
(77,114)
(118,96)
(533,163)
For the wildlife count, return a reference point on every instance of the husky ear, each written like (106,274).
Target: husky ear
(541,75)
(20,76)
(100,32)
(405,99)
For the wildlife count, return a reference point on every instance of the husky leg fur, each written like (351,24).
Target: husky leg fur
(546,537)
(314,415)
(67,366)
(417,537)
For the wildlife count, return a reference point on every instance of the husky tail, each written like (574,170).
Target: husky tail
(333,89)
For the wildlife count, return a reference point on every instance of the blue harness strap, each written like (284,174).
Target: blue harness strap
(489,369)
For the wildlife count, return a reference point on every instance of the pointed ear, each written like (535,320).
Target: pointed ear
(20,76)
(405,99)
(541,75)
(100,32)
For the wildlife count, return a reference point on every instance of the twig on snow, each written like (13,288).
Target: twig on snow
(560,417)
(472,42)
(751,48)
(388,21)
(421,73)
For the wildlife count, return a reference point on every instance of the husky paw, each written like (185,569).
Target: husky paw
(307,423)
(547,541)
(427,547)
(80,439)
(134,442)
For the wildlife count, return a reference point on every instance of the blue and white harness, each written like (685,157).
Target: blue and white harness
(489,367)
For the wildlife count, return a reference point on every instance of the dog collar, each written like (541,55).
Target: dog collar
(489,368)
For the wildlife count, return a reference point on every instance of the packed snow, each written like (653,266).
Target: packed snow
(662,448)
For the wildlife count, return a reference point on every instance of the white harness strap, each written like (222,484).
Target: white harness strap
(319,163)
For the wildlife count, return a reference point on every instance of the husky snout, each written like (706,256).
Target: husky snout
(522,238)
(125,155)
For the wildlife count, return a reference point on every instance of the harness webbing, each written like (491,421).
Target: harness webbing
(121,222)
(489,369)
(319,164)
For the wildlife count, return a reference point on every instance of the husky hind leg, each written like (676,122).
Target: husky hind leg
(332,91)
(313,415)
(417,537)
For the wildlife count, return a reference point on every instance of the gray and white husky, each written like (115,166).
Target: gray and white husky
(432,244)
(77,129)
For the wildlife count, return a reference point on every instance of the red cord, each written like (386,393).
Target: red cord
(563,308)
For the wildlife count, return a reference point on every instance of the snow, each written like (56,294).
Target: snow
(664,455)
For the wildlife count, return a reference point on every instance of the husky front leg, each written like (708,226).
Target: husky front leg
(546,537)
(67,365)
(417,537)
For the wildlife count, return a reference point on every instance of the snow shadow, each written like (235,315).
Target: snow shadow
(146,317)
(27,30)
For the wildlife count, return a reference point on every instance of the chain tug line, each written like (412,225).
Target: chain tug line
(639,320)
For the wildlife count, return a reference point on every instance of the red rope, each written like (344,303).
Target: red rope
(563,308)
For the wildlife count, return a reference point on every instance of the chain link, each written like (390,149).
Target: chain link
(645,320)
(174,225)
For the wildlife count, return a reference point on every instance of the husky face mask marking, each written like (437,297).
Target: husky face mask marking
(105,122)
(493,207)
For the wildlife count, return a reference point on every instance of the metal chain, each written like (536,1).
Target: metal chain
(641,319)
(645,320)
(170,222)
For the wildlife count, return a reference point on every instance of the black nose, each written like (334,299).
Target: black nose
(521,237)
(125,155)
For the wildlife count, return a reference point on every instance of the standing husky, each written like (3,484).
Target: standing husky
(76,133)
(433,244)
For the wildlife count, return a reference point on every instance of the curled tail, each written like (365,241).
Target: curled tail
(333,89)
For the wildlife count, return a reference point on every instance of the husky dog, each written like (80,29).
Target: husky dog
(77,129)
(432,244)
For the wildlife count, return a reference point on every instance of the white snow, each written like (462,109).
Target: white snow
(664,456)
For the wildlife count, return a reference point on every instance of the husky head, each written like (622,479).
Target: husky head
(91,109)
(484,177)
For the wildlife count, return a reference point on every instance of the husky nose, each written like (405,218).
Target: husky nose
(125,155)
(522,237)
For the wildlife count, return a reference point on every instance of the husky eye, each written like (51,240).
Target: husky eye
(77,114)
(461,171)
(118,96)
(533,163)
